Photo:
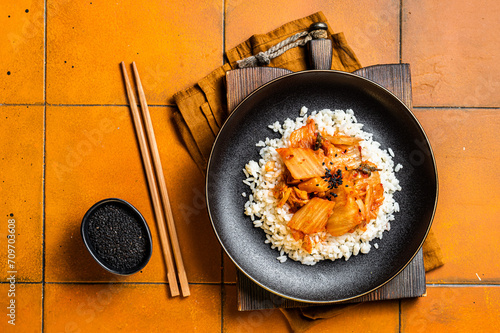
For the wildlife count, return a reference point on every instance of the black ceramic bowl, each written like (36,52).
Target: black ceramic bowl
(114,259)
(392,125)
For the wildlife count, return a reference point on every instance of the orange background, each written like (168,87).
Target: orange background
(67,141)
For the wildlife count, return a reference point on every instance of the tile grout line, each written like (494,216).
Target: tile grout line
(21,104)
(126,283)
(399,316)
(457,107)
(89,105)
(43,211)
(223,31)
(462,285)
(400,31)
(93,105)
(21,282)
(44,168)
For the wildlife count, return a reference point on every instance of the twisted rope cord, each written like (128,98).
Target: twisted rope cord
(265,57)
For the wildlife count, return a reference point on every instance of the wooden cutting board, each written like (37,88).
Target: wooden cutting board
(411,281)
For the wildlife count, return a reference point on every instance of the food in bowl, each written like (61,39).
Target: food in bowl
(323,190)
(117,236)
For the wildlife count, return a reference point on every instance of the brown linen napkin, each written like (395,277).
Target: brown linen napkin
(433,258)
(203,108)
(303,319)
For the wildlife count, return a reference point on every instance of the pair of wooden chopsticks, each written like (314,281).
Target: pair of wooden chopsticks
(154,173)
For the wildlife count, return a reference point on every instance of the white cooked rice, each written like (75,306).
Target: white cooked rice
(261,204)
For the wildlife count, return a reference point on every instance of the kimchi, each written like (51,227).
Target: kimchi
(327,185)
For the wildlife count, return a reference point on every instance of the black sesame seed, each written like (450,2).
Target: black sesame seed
(27,11)
(317,184)
(323,163)
(347,186)
(8,73)
(118,237)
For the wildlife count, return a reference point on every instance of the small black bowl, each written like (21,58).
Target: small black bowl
(131,211)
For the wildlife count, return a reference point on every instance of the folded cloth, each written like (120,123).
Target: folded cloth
(203,108)
(433,258)
(303,319)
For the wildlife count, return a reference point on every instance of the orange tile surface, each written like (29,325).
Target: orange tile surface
(466,221)
(452,49)
(382,316)
(86,41)
(67,141)
(130,308)
(21,165)
(24,314)
(92,154)
(250,321)
(22,52)
(229,270)
(367,317)
(453,309)
(370,27)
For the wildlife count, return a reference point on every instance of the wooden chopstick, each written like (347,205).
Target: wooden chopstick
(153,188)
(181,272)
